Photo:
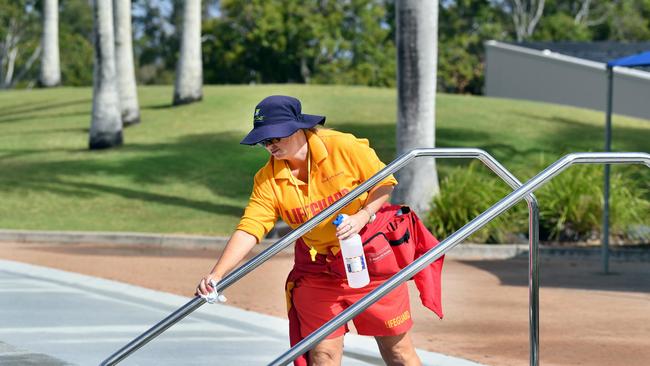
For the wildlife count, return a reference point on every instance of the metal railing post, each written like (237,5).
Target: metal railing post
(533,280)
(397,164)
(481,220)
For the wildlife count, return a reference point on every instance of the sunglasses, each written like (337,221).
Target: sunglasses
(267,142)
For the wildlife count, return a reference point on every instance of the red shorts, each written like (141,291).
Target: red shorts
(318,298)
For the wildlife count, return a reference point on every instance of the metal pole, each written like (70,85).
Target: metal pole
(533,256)
(533,279)
(608,148)
(409,271)
(285,241)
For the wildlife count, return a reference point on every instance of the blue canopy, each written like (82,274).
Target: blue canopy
(642,59)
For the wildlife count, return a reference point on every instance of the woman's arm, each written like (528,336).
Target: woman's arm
(238,246)
(376,198)
(354,223)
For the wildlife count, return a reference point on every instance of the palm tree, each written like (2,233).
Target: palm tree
(189,69)
(106,125)
(50,67)
(417,48)
(124,63)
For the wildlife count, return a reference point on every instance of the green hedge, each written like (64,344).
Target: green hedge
(465,193)
(571,206)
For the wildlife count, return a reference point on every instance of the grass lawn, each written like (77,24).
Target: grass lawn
(182,169)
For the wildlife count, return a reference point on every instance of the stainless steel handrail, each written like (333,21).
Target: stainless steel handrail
(409,271)
(397,164)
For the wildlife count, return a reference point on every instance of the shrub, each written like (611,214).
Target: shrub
(571,204)
(464,194)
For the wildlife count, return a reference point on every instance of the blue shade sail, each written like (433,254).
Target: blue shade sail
(641,59)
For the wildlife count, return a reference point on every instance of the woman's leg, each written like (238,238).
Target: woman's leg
(398,350)
(316,301)
(327,353)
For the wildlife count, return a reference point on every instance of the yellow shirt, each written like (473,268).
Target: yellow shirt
(339,162)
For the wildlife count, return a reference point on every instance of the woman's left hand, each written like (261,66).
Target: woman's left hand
(352,225)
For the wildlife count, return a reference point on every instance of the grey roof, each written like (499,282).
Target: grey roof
(594,51)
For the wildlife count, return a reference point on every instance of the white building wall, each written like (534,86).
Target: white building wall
(524,73)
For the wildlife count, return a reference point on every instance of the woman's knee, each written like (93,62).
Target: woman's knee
(327,352)
(398,350)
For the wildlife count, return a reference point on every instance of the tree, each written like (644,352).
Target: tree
(628,20)
(525,15)
(156,46)
(124,63)
(417,46)
(561,27)
(463,28)
(19,43)
(572,20)
(50,65)
(311,41)
(596,20)
(106,125)
(76,42)
(590,12)
(189,69)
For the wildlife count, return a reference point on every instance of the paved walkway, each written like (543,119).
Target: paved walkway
(51,317)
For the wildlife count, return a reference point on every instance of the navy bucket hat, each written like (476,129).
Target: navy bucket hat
(279,116)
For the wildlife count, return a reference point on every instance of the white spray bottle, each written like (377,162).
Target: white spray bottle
(354,259)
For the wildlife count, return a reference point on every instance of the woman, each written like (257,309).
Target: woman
(308,170)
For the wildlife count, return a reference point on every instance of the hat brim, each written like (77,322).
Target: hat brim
(281,129)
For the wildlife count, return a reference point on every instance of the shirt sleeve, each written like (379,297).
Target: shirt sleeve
(368,163)
(261,213)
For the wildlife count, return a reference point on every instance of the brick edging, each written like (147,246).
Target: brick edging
(466,251)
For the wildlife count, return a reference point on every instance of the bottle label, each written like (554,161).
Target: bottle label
(355,264)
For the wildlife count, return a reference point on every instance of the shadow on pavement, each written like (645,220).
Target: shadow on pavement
(586,274)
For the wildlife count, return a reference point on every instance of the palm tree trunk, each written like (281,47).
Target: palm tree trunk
(124,63)
(50,66)
(417,48)
(106,125)
(189,69)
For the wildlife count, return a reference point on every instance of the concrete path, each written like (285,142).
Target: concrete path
(52,317)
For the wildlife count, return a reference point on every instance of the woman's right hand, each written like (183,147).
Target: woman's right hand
(239,244)
(204,288)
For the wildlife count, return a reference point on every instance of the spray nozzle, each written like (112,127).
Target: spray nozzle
(338,220)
